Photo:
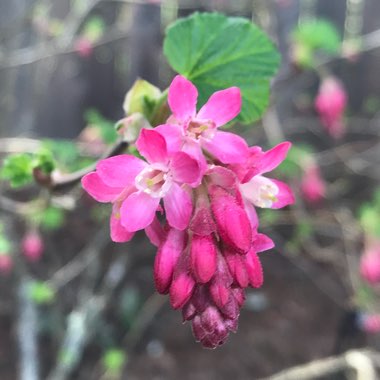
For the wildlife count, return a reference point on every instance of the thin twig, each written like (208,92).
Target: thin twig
(360,360)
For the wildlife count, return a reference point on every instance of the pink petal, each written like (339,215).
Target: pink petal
(222,106)
(152,145)
(203,257)
(262,243)
(284,196)
(172,135)
(92,183)
(272,158)
(178,207)
(182,98)
(194,150)
(120,171)
(227,147)
(252,215)
(185,169)
(138,211)
(118,233)
(155,232)
(254,269)
(222,177)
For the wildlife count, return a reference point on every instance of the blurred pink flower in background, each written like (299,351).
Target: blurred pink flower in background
(330,104)
(370,263)
(84,47)
(32,246)
(6,263)
(313,186)
(370,323)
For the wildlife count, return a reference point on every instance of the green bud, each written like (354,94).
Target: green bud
(141,98)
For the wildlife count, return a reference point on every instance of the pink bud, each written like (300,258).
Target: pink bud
(6,263)
(254,269)
(313,187)
(236,265)
(182,285)
(32,246)
(330,104)
(231,219)
(370,264)
(83,46)
(221,283)
(203,257)
(167,258)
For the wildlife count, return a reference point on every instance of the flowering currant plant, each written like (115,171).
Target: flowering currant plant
(192,186)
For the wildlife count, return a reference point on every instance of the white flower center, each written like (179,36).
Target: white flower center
(261,191)
(154,180)
(200,129)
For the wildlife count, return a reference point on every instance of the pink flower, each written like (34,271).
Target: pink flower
(370,323)
(370,263)
(258,189)
(330,105)
(313,187)
(193,132)
(6,263)
(136,187)
(210,183)
(83,46)
(32,246)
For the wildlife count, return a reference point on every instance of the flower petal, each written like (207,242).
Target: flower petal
(262,243)
(172,135)
(273,157)
(178,207)
(152,145)
(155,232)
(227,147)
(138,211)
(182,98)
(120,171)
(118,233)
(185,169)
(284,196)
(92,183)
(222,106)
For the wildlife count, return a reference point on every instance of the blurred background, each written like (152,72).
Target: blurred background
(74,305)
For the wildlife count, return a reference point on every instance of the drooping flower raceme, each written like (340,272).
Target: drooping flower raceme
(209,183)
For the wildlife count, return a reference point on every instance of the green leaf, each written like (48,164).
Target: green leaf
(41,293)
(114,359)
(318,34)
(216,52)
(106,128)
(5,246)
(52,218)
(44,160)
(18,169)
(94,28)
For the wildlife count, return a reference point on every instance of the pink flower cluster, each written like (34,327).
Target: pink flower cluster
(209,182)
